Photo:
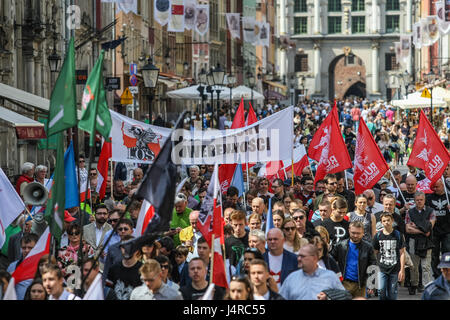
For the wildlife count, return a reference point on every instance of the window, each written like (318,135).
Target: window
(392,5)
(334,25)
(300,6)
(390,62)
(392,23)
(334,6)
(349,60)
(358,5)
(300,25)
(358,24)
(301,63)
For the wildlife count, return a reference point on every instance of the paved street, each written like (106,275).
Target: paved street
(403,294)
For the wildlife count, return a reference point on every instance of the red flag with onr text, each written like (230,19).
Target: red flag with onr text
(102,168)
(328,147)
(428,152)
(370,165)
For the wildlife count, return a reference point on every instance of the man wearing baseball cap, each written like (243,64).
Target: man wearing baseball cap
(439,289)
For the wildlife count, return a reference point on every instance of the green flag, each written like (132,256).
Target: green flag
(95,116)
(54,212)
(63,105)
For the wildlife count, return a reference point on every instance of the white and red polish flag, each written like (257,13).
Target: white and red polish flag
(27,269)
(219,277)
(102,168)
(145,216)
(11,205)
(428,152)
(328,147)
(370,165)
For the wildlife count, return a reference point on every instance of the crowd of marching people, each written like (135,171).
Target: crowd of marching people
(288,237)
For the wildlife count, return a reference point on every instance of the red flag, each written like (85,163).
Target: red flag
(226,172)
(428,152)
(27,269)
(102,168)
(424,185)
(239,117)
(251,116)
(328,147)
(370,165)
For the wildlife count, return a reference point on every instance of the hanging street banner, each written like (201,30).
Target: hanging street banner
(261,141)
(135,141)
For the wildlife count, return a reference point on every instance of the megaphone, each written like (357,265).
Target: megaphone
(35,194)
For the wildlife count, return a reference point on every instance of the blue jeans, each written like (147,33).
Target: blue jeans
(388,286)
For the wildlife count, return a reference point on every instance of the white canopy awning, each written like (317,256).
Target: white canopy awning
(25,97)
(414,101)
(191,93)
(242,92)
(17,119)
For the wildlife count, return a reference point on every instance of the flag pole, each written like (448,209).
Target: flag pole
(211,269)
(398,187)
(445,189)
(346,182)
(112,176)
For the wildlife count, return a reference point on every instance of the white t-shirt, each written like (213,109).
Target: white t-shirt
(264,297)
(275,268)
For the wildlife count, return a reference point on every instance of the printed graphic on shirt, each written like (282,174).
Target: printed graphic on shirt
(276,277)
(388,253)
(339,233)
(122,292)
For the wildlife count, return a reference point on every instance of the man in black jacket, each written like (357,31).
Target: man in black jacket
(262,281)
(354,256)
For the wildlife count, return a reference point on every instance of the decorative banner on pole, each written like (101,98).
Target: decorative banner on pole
(233,25)
(443,16)
(405,42)
(262,141)
(248,27)
(176,22)
(398,52)
(432,29)
(417,35)
(162,11)
(264,34)
(189,14)
(135,141)
(202,19)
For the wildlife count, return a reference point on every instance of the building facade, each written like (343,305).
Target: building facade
(343,47)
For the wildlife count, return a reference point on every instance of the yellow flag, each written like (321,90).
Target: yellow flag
(426,93)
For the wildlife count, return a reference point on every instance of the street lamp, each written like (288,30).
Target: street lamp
(218,76)
(201,89)
(292,82)
(231,80)
(251,81)
(53,61)
(209,88)
(431,77)
(150,73)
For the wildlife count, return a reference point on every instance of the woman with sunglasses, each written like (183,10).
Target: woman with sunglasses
(68,255)
(240,289)
(292,240)
(367,218)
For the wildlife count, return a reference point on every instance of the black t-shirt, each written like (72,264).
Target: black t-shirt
(124,279)
(337,230)
(440,206)
(235,247)
(190,293)
(388,247)
(398,223)
(409,197)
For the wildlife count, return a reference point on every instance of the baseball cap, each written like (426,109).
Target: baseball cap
(68,217)
(445,260)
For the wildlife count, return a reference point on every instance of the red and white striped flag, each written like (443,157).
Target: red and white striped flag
(27,269)
(145,216)
(102,168)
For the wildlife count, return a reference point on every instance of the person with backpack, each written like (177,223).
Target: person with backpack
(389,247)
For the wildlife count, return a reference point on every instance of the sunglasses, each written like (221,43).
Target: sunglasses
(82,161)
(164,266)
(123,229)
(298,217)
(370,198)
(290,228)
(332,183)
(73,233)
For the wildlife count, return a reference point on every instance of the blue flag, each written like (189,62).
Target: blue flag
(70,176)
(269,220)
(238,179)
